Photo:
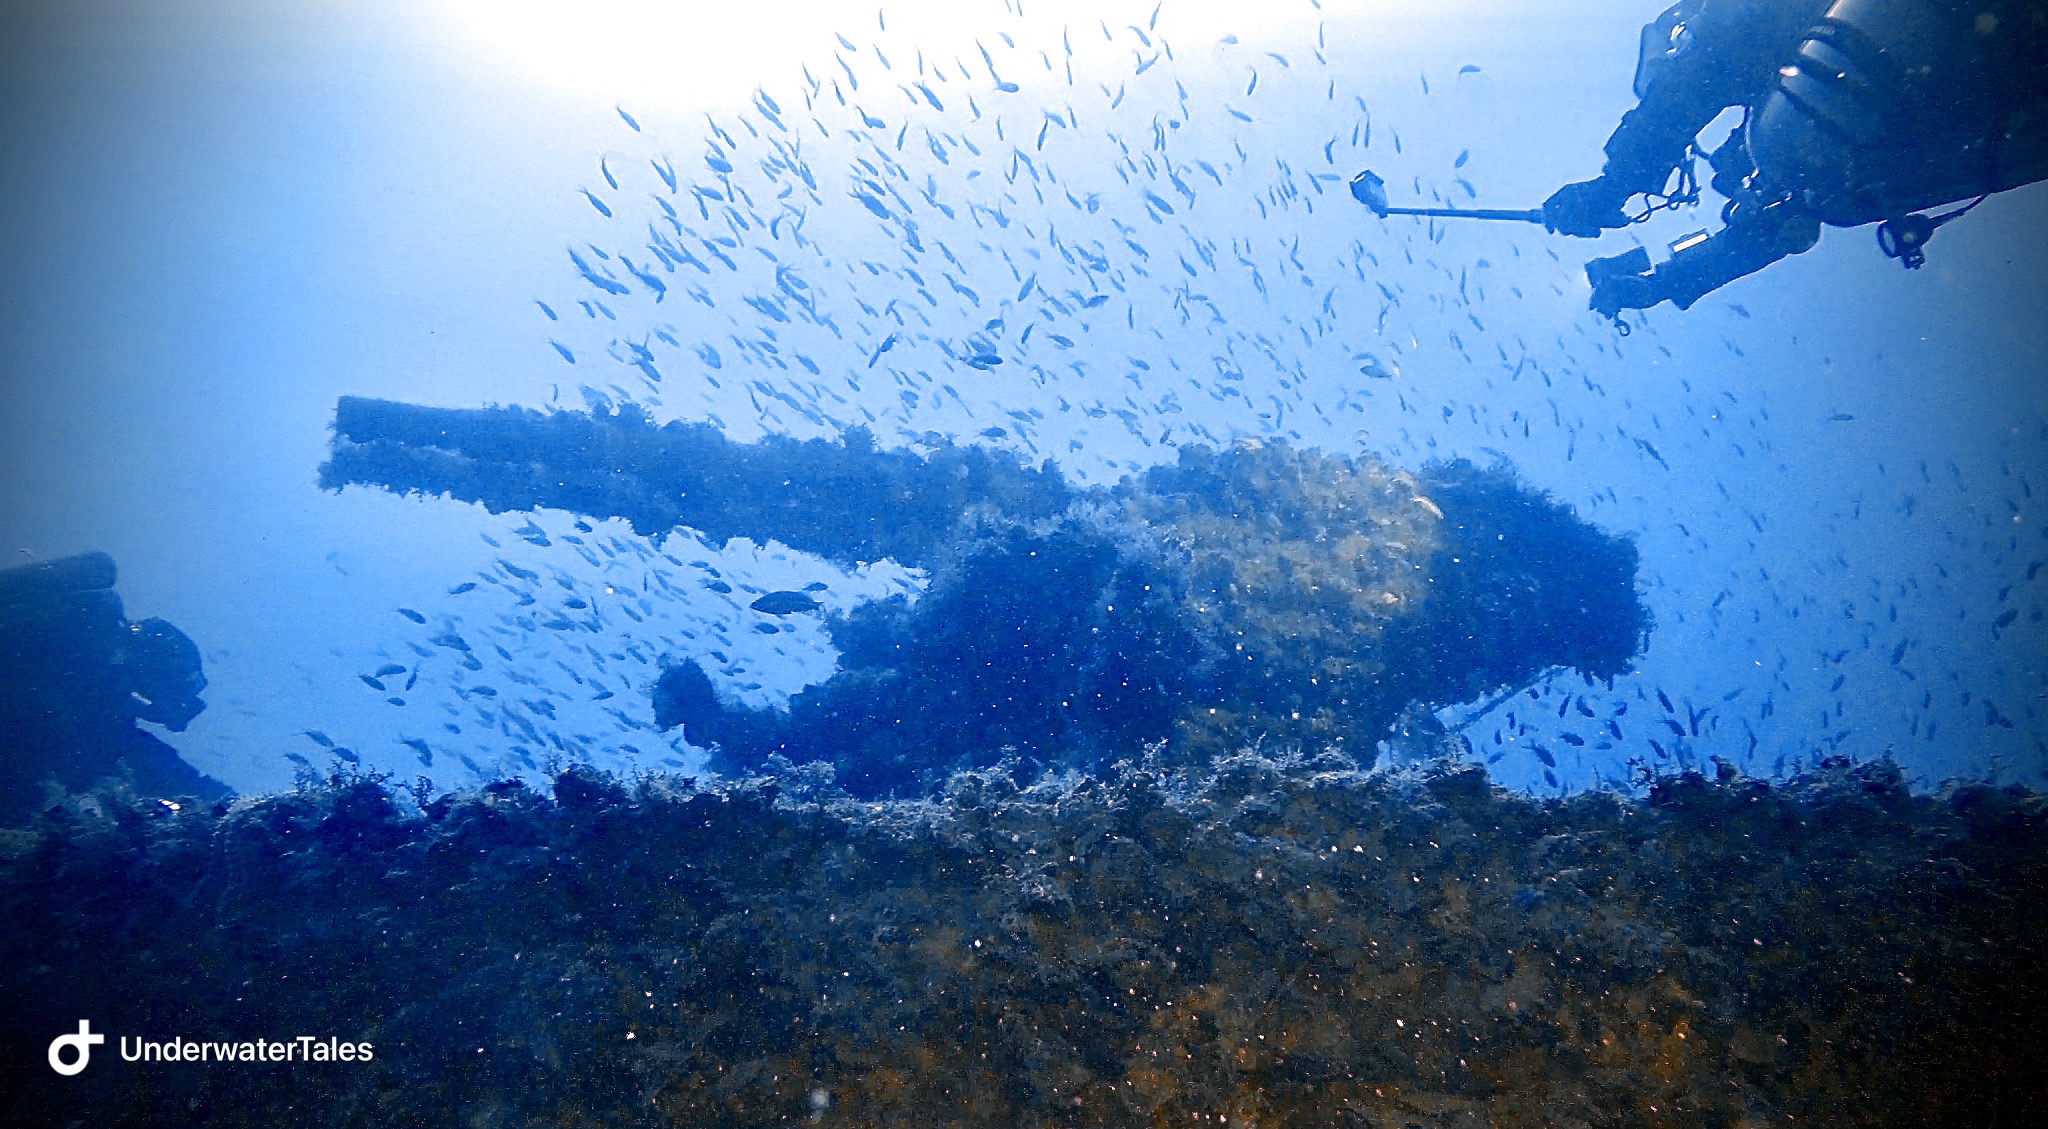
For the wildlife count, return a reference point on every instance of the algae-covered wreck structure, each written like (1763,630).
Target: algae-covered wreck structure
(1135,816)
(1259,593)
(1267,941)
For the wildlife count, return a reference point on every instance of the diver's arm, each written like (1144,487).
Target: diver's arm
(1698,58)
(1755,238)
(1652,138)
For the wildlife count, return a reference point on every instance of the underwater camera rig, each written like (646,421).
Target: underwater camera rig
(1368,189)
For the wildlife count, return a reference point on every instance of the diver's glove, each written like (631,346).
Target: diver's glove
(1619,292)
(1586,208)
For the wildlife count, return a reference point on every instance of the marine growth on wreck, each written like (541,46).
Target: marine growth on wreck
(1268,941)
(1013,563)
(1260,593)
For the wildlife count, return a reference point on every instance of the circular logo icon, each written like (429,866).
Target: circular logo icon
(82,1043)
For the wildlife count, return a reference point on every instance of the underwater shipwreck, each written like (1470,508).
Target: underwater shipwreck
(1262,593)
(1140,813)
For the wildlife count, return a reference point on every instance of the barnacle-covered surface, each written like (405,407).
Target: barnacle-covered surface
(1297,564)
(1331,593)
(1275,941)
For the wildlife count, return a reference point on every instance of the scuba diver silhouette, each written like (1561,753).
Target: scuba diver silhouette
(1854,112)
(75,677)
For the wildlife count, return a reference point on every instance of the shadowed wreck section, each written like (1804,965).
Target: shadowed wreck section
(1262,592)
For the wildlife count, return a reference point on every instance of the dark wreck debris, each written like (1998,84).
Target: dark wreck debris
(1278,942)
(1262,592)
(75,677)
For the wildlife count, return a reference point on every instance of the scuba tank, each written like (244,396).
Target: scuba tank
(1892,106)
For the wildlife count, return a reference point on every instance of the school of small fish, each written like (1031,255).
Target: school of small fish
(1092,244)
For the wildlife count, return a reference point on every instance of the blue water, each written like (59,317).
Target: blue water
(220,218)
